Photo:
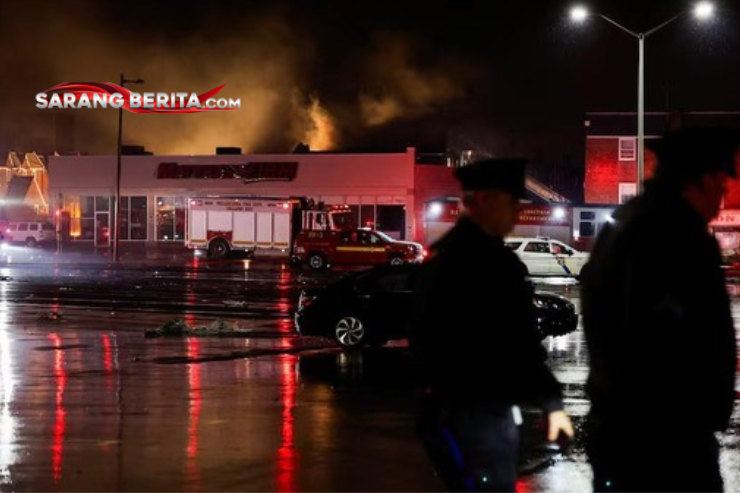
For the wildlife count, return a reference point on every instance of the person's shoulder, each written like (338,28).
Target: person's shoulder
(444,258)
(454,245)
(641,216)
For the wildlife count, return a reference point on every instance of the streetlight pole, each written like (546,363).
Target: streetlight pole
(702,10)
(117,203)
(640,112)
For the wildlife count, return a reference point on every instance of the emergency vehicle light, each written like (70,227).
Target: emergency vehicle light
(435,209)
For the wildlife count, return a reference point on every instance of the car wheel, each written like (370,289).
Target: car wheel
(396,261)
(31,242)
(349,332)
(218,248)
(316,261)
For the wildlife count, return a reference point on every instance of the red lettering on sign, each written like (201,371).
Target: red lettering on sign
(251,172)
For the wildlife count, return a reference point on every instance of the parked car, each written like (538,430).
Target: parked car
(30,233)
(547,257)
(372,306)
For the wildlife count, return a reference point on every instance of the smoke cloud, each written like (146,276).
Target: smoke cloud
(323,134)
(402,89)
(268,57)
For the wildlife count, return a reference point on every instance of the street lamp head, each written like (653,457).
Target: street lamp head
(578,13)
(704,10)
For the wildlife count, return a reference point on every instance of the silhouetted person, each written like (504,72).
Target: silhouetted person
(473,334)
(658,327)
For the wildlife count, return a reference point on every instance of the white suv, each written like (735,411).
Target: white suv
(546,257)
(30,233)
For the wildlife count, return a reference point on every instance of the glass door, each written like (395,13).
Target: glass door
(102,229)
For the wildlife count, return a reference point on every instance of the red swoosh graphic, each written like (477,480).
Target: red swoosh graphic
(92,88)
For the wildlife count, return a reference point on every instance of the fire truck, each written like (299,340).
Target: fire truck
(221,225)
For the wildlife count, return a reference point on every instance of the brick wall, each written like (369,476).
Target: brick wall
(604,170)
(732,198)
(431,182)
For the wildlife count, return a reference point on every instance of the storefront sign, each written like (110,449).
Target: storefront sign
(727,218)
(543,215)
(253,171)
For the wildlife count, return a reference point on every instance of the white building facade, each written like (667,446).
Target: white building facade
(154,190)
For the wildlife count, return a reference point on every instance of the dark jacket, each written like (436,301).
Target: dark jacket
(473,331)
(657,321)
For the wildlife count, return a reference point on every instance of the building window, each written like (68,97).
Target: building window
(123,228)
(354,217)
(81,211)
(137,218)
(367,216)
(627,191)
(392,220)
(587,228)
(171,218)
(86,219)
(102,204)
(627,148)
(133,218)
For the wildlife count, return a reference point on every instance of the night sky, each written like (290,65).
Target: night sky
(500,77)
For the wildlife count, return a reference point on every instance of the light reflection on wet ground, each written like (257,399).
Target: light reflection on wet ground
(89,404)
(111,411)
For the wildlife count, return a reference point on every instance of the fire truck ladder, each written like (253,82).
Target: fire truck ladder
(544,192)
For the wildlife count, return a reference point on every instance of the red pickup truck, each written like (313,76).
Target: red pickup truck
(322,249)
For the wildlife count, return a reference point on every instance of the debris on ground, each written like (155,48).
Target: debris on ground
(50,317)
(180,328)
(235,304)
(172,328)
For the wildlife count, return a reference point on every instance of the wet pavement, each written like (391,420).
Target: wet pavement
(87,403)
(101,410)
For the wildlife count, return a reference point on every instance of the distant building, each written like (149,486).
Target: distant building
(393,192)
(24,187)
(611,162)
(611,151)
(382,189)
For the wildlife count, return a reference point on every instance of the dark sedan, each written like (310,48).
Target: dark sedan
(372,307)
